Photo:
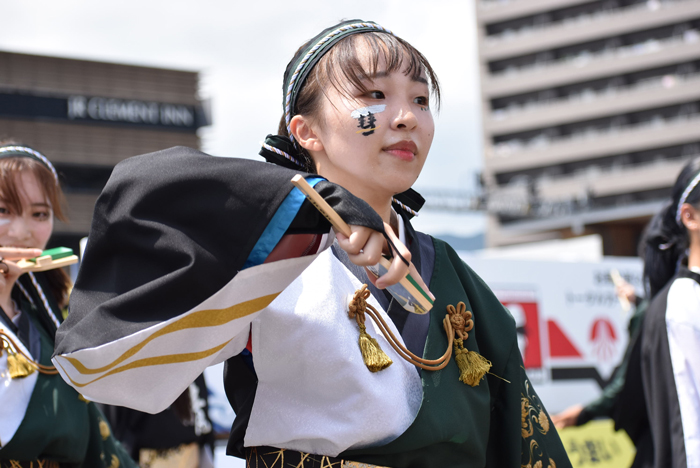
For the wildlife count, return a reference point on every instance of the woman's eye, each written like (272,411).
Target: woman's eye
(4,211)
(376,94)
(422,101)
(41,215)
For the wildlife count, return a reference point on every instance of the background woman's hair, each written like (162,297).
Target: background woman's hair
(665,241)
(9,190)
(342,68)
(58,280)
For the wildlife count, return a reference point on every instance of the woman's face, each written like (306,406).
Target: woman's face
(375,143)
(33,227)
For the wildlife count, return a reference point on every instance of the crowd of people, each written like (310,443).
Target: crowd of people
(193,260)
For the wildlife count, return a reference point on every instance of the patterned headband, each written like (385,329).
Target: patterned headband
(316,48)
(26,152)
(684,197)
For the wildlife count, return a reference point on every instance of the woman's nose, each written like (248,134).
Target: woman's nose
(405,119)
(18,228)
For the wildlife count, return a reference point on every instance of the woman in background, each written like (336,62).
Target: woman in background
(44,422)
(667,358)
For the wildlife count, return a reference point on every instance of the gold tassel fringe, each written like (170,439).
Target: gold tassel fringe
(472,365)
(375,359)
(18,365)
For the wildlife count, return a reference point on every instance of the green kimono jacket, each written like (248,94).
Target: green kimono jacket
(499,423)
(58,423)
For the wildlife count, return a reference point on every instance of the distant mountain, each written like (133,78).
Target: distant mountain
(475,242)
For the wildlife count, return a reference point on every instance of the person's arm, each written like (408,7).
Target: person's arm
(174,270)
(602,407)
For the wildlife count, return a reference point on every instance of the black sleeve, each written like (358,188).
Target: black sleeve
(173,227)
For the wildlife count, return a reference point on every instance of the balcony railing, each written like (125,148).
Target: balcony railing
(583,58)
(584,19)
(580,192)
(542,141)
(589,95)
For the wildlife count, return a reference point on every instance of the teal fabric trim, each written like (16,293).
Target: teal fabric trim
(278,225)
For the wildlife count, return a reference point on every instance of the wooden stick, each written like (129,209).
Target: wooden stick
(46,263)
(618,281)
(424,303)
(322,205)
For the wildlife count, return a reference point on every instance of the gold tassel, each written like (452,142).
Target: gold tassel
(375,359)
(472,365)
(18,365)
(115,462)
(104,430)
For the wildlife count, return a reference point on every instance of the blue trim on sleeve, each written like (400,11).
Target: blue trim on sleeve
(278,225)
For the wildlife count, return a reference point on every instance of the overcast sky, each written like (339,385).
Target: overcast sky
(241,49)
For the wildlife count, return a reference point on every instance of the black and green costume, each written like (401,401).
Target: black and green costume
(59,426)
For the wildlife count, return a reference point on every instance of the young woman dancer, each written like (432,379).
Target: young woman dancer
(664,361)
(43,421)
(173,228)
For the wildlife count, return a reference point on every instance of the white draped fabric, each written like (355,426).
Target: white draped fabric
(149,369)
(683,328)
(314,390)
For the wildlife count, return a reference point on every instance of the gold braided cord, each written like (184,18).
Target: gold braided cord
(360,306)
(47,370)
(407,355)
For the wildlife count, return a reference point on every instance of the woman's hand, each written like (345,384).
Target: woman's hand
(9,271)
(568,417)
(626,291)
(365,247)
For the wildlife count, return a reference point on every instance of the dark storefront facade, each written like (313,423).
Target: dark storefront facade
(87,116)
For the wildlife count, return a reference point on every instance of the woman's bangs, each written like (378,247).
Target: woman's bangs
(346,72)
(11,168)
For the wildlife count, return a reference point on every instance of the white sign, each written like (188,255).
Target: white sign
(572,329)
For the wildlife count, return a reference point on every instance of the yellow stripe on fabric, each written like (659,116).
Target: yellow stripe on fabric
(155,361)
(199,319)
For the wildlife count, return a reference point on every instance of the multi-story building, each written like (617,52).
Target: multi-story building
(87,116)
(590,109)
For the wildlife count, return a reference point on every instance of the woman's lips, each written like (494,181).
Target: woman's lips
(404,150)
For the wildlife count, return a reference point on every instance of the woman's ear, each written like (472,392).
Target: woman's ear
(304,134)
(690,217)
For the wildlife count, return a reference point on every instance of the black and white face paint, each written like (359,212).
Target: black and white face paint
(366,118)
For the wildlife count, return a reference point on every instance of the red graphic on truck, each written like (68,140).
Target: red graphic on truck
(526,315)
(541,338)
(603,338)
(559,344)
